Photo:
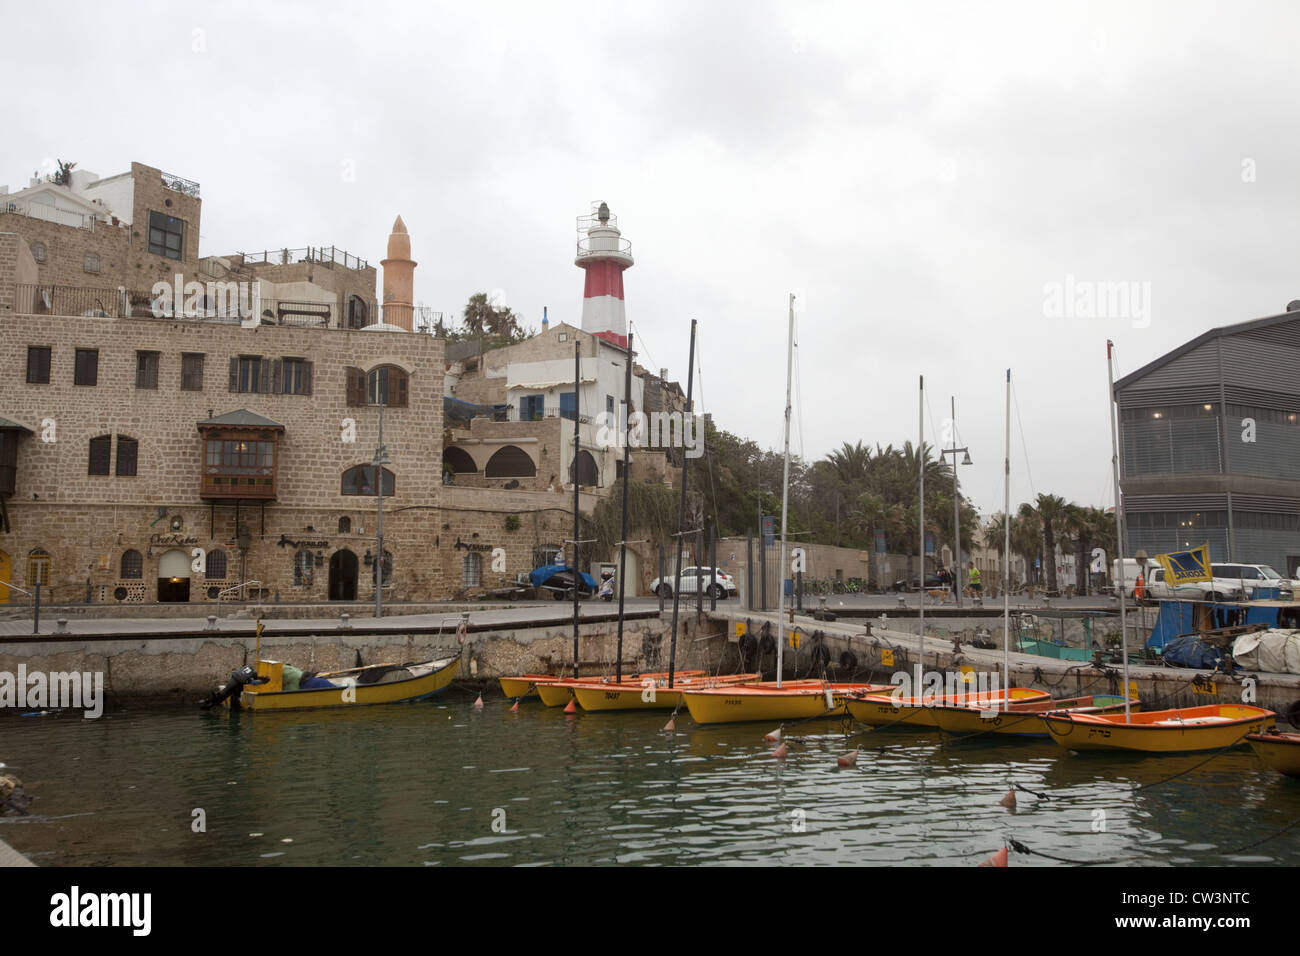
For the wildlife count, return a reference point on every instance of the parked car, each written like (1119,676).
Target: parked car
(692,579)
(932,582)
(1251,577)
(1217,589)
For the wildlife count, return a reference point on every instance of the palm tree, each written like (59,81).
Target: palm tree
(1053,512)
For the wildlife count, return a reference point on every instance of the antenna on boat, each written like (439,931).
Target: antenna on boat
(920,581)
(1119,521)
(785,497)
(1006,575)
(681,521)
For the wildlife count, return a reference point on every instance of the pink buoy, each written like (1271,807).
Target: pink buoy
(849,759)
(478,702)
(1009,801)
(514,708)
(671,726)
(997,859)
(571,707)
(774,736)
(780,752)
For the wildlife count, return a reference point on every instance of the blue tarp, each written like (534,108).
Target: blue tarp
(453,409)
(539,576)
(1190,651)
(1178,617)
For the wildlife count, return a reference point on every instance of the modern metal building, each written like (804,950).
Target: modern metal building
(1210,445)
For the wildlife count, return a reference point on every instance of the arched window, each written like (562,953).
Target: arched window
(303,563)
(345,525)
(459,460)
(132,564)
(216,565)
(361,481)
(510,462)
(386,385)
(588,474)
(39,567)
(471,570)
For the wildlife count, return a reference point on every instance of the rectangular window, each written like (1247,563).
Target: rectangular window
(295,377)
(100,450)
(609,406)
(532,408)
(247,374)
(87,370)
(38,365)
(191,371)
(126,455)
(166,236)
(146,369)
(569,405)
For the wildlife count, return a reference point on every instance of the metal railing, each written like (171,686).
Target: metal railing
(36,603)
(324,255)
(237,587)
(186,186)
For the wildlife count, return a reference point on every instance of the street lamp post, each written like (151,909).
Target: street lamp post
(956,500)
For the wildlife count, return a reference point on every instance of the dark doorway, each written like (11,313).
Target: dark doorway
(343,576)
(174,576)
(1292,564)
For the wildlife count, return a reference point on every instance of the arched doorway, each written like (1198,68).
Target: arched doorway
(4,577)
(343,576)
(174,577)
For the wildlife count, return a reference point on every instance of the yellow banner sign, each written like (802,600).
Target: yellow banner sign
(1187,567)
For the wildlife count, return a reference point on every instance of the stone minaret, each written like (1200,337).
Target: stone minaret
(399,278)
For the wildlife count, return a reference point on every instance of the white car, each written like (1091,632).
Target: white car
(724,585)
(1250,577)
(1218,589)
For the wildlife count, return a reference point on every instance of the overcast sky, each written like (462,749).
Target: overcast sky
(933,180)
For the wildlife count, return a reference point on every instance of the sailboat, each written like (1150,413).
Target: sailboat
(1175,730)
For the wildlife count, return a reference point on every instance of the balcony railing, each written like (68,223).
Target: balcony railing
(186,186)
(324,255)
(63,217)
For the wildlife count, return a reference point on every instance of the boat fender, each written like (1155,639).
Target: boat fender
(766,643)
(461,631)
(849,661)
(821,655)
(1293,714)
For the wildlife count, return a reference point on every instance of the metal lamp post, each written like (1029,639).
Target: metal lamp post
(956,501)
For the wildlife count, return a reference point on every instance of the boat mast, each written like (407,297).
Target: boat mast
(681,519)
(622,544)
(1006,571)
(1119,520)
(920,582)
(785,497)
(577,375)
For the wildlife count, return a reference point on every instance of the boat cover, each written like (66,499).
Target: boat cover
(1190,651)
(539,576)
(1274,651)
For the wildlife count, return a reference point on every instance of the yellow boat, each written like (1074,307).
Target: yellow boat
(883,710)
(1280,751)
(263,689)
(793,700)
(557,691)
(1180,730)
(1021,717)
(525,685)
(650,694)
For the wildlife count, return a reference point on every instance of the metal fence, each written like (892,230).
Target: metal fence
(323,255)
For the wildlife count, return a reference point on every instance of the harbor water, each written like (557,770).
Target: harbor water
(443,784)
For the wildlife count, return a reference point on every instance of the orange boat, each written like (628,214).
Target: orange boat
(1178,730)
(793,700)
(558,691)
(1280,751)
(885,709)
(525,685)
(648,694)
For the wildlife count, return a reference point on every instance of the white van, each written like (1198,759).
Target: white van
(1129,579)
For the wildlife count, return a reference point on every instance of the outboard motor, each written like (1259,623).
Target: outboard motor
(239,679)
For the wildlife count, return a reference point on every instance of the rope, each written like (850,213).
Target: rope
(1249,846)
(1021,848)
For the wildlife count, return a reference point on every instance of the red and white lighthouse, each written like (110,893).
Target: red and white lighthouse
(603,254)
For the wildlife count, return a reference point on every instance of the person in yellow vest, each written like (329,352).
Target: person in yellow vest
(975,586)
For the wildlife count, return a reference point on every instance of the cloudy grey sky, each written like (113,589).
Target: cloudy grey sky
(921,174)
